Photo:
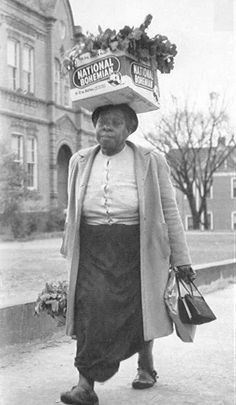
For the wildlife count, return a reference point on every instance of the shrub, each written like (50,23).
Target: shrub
(56,220)
(13,195)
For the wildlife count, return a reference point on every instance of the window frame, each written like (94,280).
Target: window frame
(30,73)
(233,213)
(14,80)
(184,195)
(21,137)
(186,222)
(210,195)
(33,163)
(233,179)
(211,227)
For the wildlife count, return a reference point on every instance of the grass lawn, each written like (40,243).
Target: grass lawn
(26,266)
(207,247)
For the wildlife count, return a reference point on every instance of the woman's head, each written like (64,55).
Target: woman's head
(129,114)
(113,124)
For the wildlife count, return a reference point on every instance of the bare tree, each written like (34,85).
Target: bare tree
(196,145)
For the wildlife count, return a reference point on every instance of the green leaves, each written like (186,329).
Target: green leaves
(157,51)
(53,300)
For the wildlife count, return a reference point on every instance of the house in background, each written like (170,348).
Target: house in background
(221,202)
(37,120)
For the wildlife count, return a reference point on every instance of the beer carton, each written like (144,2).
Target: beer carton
(114,78)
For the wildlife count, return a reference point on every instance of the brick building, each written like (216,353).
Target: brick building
(38,122)
(221,202)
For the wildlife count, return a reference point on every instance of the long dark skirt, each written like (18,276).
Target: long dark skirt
(108,314)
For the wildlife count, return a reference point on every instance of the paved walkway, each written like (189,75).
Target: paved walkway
(197,374)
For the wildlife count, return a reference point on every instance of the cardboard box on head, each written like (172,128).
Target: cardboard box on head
(114,78)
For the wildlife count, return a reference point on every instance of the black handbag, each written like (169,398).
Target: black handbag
(186,332)
(192,306)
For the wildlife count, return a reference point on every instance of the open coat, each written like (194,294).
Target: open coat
(162,238)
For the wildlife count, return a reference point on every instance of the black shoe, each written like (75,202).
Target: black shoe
(144,379)
(80,396)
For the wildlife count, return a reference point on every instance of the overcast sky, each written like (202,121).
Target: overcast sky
(203,30)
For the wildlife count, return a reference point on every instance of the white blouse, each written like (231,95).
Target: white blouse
(111,196)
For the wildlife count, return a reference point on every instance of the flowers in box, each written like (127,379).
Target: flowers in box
(158,51)
(53,300)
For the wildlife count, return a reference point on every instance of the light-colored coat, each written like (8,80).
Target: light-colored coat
(162,238)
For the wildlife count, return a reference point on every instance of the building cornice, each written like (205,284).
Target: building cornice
(20,97)
(23,117)
(42,14)
(29,118)
(62,107)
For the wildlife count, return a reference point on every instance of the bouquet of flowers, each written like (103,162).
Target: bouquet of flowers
(157,51)
(53,300)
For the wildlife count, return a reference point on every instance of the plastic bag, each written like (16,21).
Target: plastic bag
(186,332)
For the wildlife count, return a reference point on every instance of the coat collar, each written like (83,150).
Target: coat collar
(141,156)
(142,159)
(85,153)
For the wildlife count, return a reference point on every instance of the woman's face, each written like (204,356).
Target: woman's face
(111,131)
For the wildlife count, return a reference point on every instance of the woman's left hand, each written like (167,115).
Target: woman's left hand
(186,273)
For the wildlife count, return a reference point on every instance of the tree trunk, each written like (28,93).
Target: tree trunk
(196,221)
(195,214)
(205,216)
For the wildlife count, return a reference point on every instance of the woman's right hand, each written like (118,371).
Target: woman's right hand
(186,273)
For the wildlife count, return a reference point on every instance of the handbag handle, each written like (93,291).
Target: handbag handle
(178,280)
(190,289)
(177,283)
(191,285)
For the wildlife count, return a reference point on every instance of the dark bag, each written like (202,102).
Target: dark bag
(186,332)
(193,308)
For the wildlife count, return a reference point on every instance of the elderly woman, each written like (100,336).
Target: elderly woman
(123,230)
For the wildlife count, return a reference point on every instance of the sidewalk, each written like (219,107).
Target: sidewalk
(190,374)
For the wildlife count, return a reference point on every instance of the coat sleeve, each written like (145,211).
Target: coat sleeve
(178,245)
(70,211)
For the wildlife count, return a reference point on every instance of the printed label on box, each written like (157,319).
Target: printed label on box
(94,72)
(142,76)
